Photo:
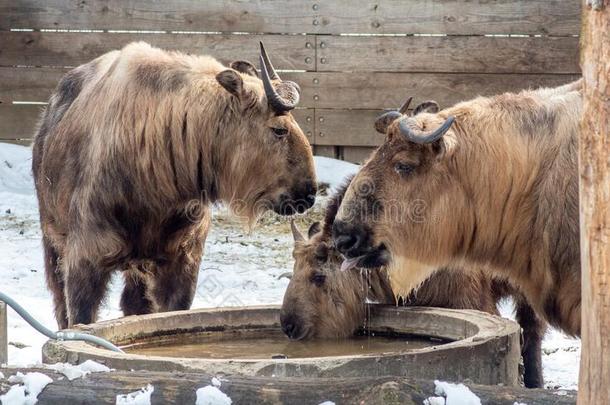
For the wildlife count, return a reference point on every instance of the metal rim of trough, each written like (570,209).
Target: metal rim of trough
(485,348)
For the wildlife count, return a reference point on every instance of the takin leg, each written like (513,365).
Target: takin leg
(85,288)
(175,282)
(134,300)
(55,283)
(533,333)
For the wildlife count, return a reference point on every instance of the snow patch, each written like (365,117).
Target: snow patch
(216,382)
(434,401)
(27,388)
(327,403)
(1,375)
(73,372)
(141,397)
(455,394)
(333,171)
(210,395)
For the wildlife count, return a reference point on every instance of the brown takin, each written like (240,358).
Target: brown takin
(132,149)
(488,183)
(322,301)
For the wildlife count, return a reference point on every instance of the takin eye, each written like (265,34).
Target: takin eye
(280,132)
(403,169)
(318,279)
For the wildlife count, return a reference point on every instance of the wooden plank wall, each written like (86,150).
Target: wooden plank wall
(351,58)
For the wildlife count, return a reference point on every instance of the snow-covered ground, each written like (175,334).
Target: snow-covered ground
(238,268)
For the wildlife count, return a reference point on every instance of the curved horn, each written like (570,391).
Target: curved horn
(405,106)
(296,234)
(272,73)
(416,135)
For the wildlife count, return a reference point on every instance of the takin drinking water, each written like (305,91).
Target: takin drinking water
(322,301)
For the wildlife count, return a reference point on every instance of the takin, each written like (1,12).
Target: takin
(490,183)
(133,148)
(322,301)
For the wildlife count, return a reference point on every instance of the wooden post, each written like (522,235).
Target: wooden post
(594,166)
(3,334)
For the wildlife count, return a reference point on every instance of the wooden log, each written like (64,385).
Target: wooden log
(102,388)
(3,334)
(457,54)
(594,167)
(461,17)
(74,48)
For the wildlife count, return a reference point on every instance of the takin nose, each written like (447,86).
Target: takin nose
(350,240)
(289,326)
(303,197)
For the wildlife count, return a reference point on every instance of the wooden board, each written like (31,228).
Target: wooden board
(74,48)
(458,54)
(276,16)
(463,17)
(3,334)
(347,127)
(375,90)
(18,121)
(37,84)
(356,154)
(555,17)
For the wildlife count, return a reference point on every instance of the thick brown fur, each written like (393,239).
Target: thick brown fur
(131,150)
(498,191)
(322,301)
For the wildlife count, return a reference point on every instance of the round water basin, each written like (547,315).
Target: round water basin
(411,342)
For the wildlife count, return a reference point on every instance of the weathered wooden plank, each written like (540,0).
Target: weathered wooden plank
(555,17)
(458,54)
(73,48)
(463,17)
(277,16)
(347,128)
(37,84)
(18,121)
(181,388)
(327,151)
(389,90)
(356,154)
(305,119)
(329,90)
(3,334)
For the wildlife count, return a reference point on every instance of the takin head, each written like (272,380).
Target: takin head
(270,165)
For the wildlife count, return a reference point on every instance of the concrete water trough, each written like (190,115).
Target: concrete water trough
(429,343)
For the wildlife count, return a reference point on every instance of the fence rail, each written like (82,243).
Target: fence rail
(351,58)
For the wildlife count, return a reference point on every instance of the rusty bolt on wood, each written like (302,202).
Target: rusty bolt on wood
(308,60)
(316,81)
(315,7)
(316,97)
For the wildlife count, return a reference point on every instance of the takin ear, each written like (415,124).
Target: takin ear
(429,106)
(231,81)
(245,67)
(314,229)
(383,121)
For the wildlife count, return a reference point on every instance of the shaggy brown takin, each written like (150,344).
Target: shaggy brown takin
(490,182)
(132,149)
(322,301)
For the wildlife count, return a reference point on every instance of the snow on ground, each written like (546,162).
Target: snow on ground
(237,269)
(141,397)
